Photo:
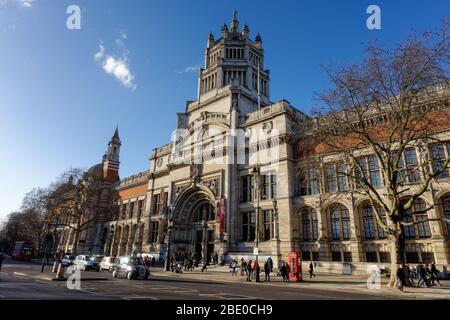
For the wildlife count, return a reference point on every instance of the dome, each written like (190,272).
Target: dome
(96,170)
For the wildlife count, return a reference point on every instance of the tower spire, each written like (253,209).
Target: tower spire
(234,24)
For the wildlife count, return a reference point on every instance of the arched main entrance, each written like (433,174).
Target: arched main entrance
(194,222)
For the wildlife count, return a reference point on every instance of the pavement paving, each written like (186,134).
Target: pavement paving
(19,280)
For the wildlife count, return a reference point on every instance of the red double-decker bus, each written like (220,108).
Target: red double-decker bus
(23,251)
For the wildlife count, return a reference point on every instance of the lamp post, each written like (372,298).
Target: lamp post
(169,231)
(256,172)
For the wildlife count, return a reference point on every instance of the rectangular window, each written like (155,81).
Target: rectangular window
(140,208)
(336,256)
(155,230)
(412,257)
(124,211)
(273,186)
(374,171)
(385,257)
(412,173)
(131,210)
(315,256)
(248,226)
(371,256)
(423,226)
(370,172)
(267,224)
(156,203)
(342,177)
(306,256)
(347,256)
(265,186)
(438,156)
(428,257)
(330,176)
(247,188)
(308,183)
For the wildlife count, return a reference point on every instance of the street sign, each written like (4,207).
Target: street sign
(255,251)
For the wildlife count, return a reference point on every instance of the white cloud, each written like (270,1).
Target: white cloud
(22,3)
(119,41)
(116,66)
(189,70)
(26,3)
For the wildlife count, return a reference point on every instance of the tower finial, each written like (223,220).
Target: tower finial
(234,24)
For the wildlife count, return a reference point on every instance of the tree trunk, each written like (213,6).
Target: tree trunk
(397,241)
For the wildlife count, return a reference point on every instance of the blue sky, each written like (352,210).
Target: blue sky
(59,105)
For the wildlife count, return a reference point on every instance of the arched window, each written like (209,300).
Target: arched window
(340,223)
(418,217)
(446,211)
(206,212)
(309,224)
(370,225)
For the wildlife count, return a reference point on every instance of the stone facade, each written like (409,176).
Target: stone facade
(217,180)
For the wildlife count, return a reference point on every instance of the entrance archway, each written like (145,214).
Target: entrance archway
(194,221)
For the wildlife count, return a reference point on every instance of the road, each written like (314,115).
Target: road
(20,280)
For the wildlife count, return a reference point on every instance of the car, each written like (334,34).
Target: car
(68,260)
(107,263)
(86,263)
(131,268)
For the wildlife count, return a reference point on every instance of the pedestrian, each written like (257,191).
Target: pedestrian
(401,278)
(233,267)
(267,271)
(434,274)
(248,270)
(311,270)
(422,276)
(270,262)
(204,265)
(243,267)
(153,261)
(1,260)
(284,272)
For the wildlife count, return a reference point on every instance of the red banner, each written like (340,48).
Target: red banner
(222,215)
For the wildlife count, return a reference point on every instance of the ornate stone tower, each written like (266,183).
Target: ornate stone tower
(234,59)
(111,159)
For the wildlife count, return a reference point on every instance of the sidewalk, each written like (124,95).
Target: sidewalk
(341,283)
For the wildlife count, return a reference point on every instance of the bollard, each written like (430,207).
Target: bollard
(61,270)
(55,267)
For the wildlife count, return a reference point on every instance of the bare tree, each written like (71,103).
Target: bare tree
(74,202)
(391,101)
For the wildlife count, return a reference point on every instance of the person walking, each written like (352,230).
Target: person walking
(422,276)
(311,270)
(434,274)
(267,271)
(233,267)
(284,272)
(401,278)
(248,270)
(1,261)
(270,262)
(243,267)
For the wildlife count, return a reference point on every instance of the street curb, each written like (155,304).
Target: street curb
(82,279)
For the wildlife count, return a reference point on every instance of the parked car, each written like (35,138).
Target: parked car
(131,268)
(68,260)
(85,263)
(107,263)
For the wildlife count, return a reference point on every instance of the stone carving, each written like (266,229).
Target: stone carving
(179,189)
(212,184)
(159,162)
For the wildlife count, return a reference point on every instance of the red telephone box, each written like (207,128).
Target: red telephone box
(295,266)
